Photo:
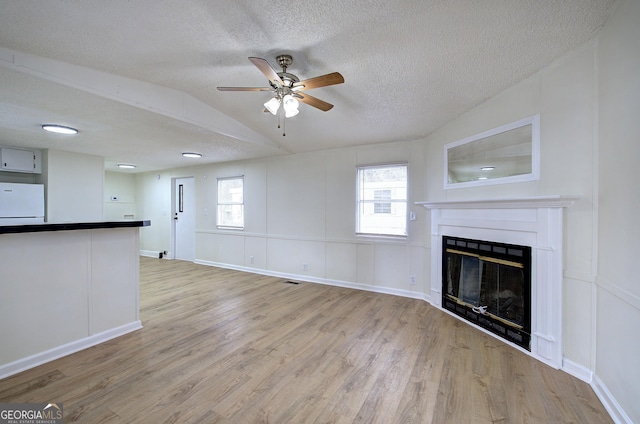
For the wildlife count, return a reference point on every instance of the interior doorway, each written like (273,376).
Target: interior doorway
(184,219)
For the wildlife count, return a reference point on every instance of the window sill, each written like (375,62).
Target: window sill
(382,236)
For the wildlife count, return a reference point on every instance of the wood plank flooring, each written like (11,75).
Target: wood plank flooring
(221,346)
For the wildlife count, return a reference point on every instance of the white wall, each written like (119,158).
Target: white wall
(564,96)
(154,202)
(122,187)
(618,283)
(73,186)
(299,209)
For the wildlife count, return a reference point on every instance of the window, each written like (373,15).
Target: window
(382,200)
(231,202)
(379,206)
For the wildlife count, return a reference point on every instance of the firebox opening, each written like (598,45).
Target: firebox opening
(489,284)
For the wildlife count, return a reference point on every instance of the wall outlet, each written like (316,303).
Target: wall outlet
(305,267)
(251,260)
(412,280)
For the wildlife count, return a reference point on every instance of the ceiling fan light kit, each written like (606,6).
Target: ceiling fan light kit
(287,88)
(273,105)
(290,106)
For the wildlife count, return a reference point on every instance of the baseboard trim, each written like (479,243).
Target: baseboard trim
(330,282)
(149,253)
(578,371)
(609,402)
(33,361)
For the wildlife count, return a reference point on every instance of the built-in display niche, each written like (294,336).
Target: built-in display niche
(489,284)
(506,154)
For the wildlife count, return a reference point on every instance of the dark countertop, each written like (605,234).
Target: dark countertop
(68,226)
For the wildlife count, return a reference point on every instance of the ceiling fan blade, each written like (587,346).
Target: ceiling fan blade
(267,70)
(313,101)
(245,88)
(321,81)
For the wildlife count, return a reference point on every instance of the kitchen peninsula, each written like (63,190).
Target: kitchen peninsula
(65,287)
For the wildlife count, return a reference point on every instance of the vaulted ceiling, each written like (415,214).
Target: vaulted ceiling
(138,78)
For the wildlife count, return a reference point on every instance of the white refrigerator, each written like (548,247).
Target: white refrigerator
(21,204)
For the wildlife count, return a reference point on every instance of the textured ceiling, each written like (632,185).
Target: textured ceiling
(138,77)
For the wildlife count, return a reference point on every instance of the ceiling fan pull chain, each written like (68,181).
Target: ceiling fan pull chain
(284,126)
(279,118)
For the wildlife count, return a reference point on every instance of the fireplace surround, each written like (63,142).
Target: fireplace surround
(534,222)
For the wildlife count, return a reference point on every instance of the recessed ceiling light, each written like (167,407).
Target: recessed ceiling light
(191,155)
(126,166)
(487,168)
(59,129)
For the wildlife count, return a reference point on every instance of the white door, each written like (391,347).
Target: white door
(184,219)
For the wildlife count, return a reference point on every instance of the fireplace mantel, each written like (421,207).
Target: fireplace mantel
(557,201)
(527,221)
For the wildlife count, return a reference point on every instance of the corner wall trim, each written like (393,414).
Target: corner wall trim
(33,361)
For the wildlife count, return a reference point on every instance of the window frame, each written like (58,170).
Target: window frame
(230,203)
(360,202)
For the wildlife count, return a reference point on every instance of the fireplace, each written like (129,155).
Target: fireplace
(489,284)
(532,221)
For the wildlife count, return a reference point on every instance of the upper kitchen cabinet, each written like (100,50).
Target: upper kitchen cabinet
(20,160)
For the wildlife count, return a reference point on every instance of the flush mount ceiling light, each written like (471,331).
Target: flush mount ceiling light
(191,155)
(59,129)
(126,166)
(288,89)
(487,168)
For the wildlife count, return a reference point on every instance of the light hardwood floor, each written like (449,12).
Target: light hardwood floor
(221,346)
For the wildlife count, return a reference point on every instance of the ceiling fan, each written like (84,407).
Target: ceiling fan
(288,88)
